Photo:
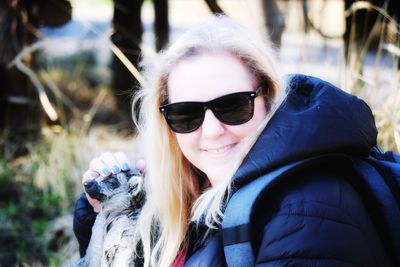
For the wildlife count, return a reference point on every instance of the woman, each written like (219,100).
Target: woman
(215,113)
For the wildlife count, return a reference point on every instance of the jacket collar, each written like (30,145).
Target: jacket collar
(315,118)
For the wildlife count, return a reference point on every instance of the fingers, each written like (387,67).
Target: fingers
(89,175)
(109,163)
(141,165)
(94,203)
(100,167)
(105,164)
(123,161)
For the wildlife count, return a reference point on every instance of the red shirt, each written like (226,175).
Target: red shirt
(180,258)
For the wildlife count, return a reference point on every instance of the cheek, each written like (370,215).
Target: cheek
(188,143)
(242,131)
(260,114)
(260,111)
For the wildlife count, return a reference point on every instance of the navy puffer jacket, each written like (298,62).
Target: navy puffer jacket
(318,218)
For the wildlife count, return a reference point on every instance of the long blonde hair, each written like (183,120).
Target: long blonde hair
(174,196)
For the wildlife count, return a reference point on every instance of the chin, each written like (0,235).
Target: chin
(216,178)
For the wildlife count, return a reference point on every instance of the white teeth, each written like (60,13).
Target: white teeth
(219,150)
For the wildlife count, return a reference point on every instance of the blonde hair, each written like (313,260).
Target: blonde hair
(174,196)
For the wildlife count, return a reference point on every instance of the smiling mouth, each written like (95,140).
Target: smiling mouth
(220,150)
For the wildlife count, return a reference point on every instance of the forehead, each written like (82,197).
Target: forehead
(208,75)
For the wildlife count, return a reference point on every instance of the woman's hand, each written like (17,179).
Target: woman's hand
(105,165)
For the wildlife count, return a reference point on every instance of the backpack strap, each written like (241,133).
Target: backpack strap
(382,178)
(377,182)
(236,232)
(388,166)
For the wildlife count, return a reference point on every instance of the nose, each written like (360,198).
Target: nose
(93,189)
(211,126)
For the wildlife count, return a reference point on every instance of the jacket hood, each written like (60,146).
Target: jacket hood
(315,118)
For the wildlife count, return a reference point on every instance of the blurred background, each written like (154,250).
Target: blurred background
(68,69)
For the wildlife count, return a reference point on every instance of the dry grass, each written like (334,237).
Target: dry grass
(59,161)
(378,83)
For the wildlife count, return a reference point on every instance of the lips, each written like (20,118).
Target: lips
(220,150)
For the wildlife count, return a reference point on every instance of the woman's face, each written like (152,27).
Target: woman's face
(212,147)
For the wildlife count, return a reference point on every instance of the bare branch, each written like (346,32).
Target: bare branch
(132,69)
(26,51)
(17,62)
(44,100)
(359,5)
(58,93)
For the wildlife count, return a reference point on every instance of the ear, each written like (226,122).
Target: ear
(135,185)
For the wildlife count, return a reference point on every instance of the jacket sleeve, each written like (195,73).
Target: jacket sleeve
(84,217)
(318,220)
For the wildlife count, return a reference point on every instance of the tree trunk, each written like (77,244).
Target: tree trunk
(161,24)
(20,110)
(274,21)
(127,36)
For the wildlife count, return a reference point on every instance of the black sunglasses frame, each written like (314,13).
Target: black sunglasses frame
(251,95)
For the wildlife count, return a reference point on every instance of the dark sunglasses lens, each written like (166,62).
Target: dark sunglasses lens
(185,117)
(234,109)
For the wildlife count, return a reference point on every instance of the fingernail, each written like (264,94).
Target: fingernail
(116,169)
(106,171)
(94,174)
(125,166)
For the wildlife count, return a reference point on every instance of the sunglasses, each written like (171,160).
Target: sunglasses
(231,109)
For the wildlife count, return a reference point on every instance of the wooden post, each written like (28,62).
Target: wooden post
(127,36)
